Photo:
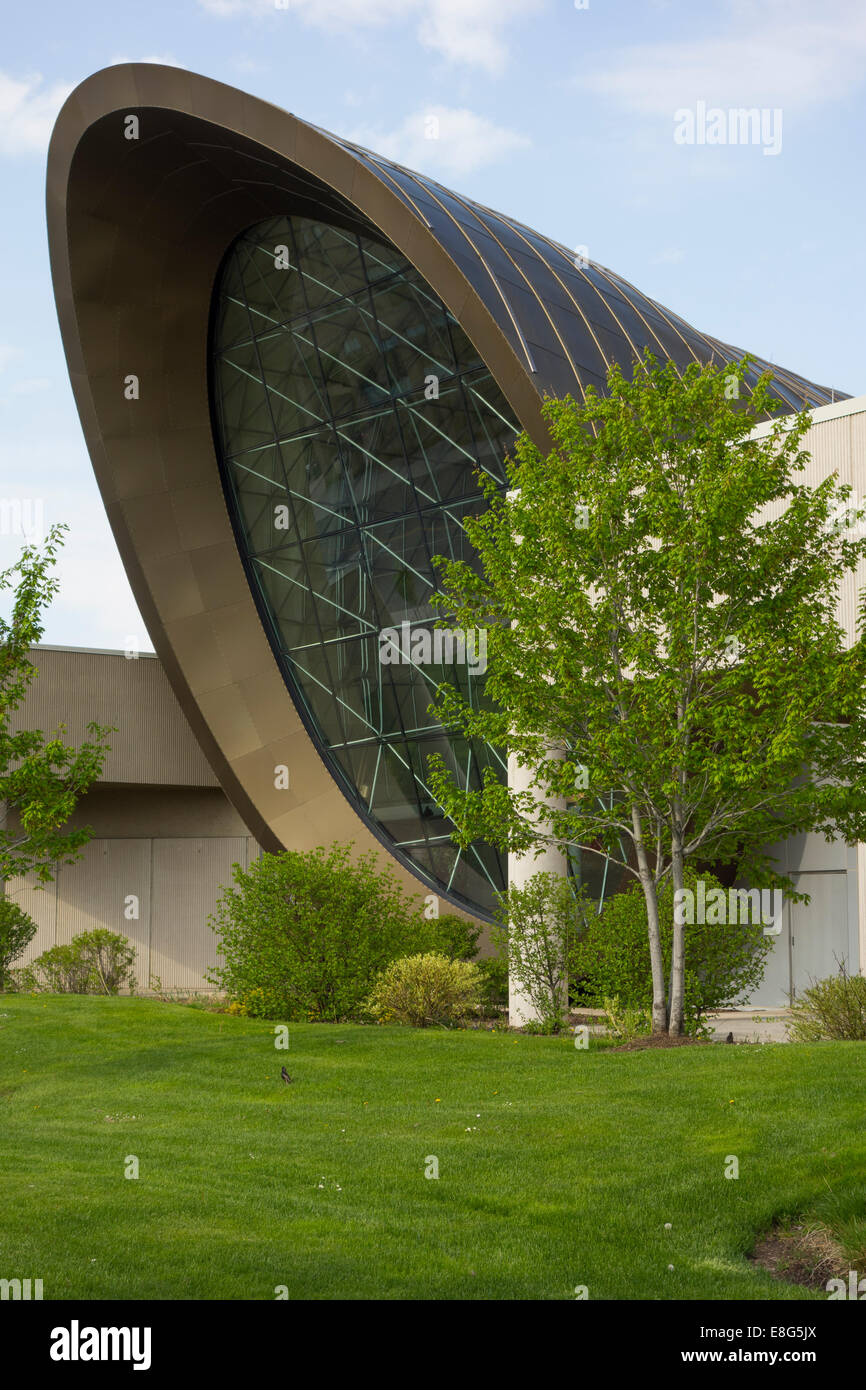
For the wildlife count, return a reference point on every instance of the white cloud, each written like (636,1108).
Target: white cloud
(671,255)
(8,353)
(28,112)
(166,60)
(787,53)
(463,141)
(461,31)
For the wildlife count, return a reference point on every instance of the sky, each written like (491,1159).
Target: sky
(567,114)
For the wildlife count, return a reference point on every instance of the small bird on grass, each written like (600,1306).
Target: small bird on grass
(285,1075)
(729,1038)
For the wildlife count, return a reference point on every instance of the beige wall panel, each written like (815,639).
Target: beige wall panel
(153,742)
(836,441)
(92,892)
(187,875)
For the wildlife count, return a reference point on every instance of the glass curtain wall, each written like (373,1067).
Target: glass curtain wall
(351,413)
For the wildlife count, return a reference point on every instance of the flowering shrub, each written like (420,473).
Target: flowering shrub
(831,1008)
(426,989)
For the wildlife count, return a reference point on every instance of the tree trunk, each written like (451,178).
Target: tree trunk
(678,946)
(660,1021)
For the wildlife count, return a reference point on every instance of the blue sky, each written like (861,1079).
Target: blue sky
(561,116)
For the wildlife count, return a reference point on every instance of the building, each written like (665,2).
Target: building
(289,355)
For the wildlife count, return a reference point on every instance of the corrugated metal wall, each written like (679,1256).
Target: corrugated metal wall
(156,891)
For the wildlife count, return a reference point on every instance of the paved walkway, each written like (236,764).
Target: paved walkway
(747,1025)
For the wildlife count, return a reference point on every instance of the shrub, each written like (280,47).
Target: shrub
(627,1022)
(111,957)
(94,962)
(834,1008)
(542,922)
(724,963)
(494,983)
(426,989)
(455,937)
(17,930)
(304,935)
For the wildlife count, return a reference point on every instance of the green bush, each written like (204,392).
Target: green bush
(304,935)
(724,963)
(426,989)
(94,962)
(17,930)
(834,1008)
(539,927)
(494,986)
(455,937)
(626,1022)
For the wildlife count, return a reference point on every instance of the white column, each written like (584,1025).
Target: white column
(861,906)
(521,867)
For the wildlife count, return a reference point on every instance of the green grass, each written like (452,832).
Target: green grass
(557,1167)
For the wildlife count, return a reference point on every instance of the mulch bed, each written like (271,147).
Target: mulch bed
(800,1254)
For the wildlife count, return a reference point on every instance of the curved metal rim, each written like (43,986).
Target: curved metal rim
(232,701)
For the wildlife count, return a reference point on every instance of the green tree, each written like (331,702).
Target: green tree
(17,930)
(663,652)
(41,779)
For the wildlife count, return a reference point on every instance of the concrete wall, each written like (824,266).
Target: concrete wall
(165,836)
(156,890)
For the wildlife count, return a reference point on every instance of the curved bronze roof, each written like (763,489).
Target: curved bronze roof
(140,214)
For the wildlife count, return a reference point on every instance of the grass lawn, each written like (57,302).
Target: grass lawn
(557,1167)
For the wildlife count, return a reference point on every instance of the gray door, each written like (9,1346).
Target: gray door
(819,929)
(775,988)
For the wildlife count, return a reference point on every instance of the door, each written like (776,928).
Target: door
(819,929)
